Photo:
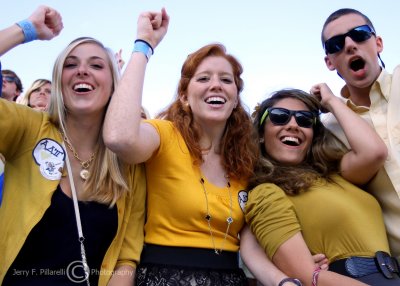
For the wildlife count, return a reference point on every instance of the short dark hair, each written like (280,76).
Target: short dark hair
(18,82)
(339,13)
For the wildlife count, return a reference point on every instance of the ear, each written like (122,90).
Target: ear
(328,63)
(183,99)
(379,44)
(236,101)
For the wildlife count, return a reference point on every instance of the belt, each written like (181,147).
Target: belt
(361,266)
(190,257)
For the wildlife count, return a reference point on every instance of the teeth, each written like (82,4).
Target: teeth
(215,99)
(83,86)
(291,139)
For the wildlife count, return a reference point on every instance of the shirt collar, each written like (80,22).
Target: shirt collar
(382,85)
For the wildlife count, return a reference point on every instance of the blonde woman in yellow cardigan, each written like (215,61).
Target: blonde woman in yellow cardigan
(72,213)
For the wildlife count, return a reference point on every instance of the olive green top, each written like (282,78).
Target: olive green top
(337,219)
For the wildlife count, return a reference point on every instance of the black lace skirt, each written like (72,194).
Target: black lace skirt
(170,266)
(167,275)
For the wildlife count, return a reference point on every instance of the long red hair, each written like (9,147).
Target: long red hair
(238,147)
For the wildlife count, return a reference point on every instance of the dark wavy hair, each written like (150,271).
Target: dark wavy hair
(238,148)
(322,158)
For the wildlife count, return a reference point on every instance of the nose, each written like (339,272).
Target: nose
(82,69)
(292,124)
(215,82)
(349,44)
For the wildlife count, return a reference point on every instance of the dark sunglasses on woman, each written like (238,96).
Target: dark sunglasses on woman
(281,116)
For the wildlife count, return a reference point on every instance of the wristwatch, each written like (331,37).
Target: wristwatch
(293,280)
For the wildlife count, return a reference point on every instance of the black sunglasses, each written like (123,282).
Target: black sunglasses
(281,116)
(358,34)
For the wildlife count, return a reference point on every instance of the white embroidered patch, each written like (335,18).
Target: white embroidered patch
(50,156)
(243,200)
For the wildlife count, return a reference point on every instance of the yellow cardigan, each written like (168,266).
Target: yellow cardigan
(27,140)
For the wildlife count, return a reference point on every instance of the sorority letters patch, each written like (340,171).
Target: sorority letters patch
(50,156)
(243,200)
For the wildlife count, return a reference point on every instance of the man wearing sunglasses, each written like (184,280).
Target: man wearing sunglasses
(11,85)
(353,49)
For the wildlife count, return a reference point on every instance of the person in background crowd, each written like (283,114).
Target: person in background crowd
(38,95)
(11,85)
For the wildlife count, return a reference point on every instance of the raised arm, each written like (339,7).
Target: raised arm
(368,152)
(124,132)
(46,23)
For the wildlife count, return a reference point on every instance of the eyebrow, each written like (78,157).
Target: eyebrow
(90,58)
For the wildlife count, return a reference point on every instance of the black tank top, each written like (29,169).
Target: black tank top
(51,252)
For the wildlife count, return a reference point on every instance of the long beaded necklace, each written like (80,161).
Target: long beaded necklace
(208,217)
(84,173)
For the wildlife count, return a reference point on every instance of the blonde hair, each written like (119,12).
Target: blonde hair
(25,99)
(108,179)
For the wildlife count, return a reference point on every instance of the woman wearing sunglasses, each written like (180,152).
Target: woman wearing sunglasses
(304,199)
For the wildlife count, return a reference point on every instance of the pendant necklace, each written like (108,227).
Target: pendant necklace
(208,217)
(84,173)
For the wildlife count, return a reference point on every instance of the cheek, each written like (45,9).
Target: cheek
(309,138)
(34,96)
(109,84)
(269,140)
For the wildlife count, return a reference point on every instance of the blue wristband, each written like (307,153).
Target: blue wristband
(143,47)
(29,30)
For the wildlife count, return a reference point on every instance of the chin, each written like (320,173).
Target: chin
(290,161)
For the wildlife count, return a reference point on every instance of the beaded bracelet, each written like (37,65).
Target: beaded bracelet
(29,30)
(315,276)
(143,47)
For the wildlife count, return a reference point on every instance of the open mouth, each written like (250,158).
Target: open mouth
(291,141)
(357,64)
(83,87)
(215,100)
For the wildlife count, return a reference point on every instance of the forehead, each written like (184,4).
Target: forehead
(291,104)
(343,24)
(44,85)
(88,50)
(215,64)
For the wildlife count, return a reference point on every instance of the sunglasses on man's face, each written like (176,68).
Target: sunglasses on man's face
(10,79)
(281,116)
(358,34)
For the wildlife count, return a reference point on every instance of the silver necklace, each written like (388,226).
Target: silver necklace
(208,217)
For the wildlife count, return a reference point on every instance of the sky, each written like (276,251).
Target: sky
(277,42)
